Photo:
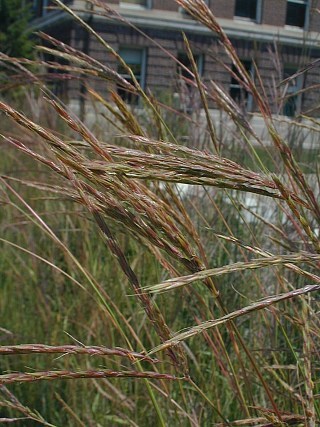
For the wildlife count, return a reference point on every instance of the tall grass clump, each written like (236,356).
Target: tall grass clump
(170,284)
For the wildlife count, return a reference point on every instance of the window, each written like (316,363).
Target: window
(248,9)
(237,92)
(184,59)
(187,96)
(143,3)
(292,99)
(40,7)
(136,59)
(297,13)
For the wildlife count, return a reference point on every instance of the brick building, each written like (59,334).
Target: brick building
(280,36)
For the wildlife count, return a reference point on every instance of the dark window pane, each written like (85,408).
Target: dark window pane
(247,65)
(246,9)
(184,59)
(237,92)
(187,94)
(133,58)
(290,106)
(136,68)
(288,71)
(127,96)
(296,14)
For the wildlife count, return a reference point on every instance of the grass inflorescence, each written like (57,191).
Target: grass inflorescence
(170,284)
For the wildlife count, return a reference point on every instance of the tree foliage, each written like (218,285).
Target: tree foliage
(15,34)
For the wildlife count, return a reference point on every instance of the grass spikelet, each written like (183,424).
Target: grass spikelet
(103,214)
(259,305)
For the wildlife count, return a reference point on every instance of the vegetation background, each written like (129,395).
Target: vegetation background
(145,281)
(15,34)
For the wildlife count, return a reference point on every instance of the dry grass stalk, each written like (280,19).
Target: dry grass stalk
(73,159)
(73,349)
(231,268)
(259,305)
(113,183)
(70,375)
(13,403)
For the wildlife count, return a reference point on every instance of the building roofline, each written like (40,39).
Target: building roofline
(235,29)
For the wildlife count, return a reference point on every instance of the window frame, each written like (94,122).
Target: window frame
(40,7)
(45,4)
(291,90)
(248,96)
(185,94)
(258,17)
(307,14)
(198,58)
(127,4)
(143,73)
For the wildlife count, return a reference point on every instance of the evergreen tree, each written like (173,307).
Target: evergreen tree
(15,37)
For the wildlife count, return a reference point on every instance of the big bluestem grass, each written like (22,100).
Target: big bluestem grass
(105,254)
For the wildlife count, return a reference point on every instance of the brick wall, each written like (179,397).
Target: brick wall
(274,12)
(223,8)
(169,5)
(161,71)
